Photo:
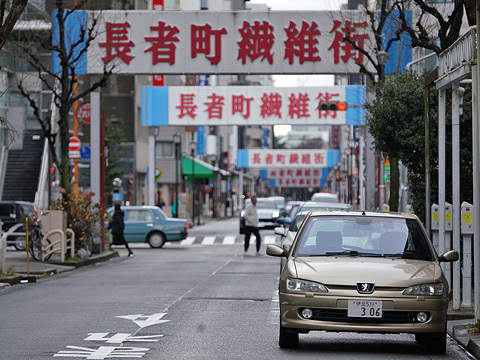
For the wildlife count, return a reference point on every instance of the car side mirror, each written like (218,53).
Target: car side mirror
(280,231)
(449,256)
(275,250)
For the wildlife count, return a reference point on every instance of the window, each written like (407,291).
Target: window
(164,149)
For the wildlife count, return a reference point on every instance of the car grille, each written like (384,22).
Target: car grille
(391,317)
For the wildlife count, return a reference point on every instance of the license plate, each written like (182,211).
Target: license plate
(261,225)
(364,309)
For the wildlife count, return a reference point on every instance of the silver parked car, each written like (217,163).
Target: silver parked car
(363,272)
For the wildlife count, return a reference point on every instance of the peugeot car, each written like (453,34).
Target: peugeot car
(363,272)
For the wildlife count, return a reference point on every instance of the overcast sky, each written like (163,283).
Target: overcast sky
(301,4)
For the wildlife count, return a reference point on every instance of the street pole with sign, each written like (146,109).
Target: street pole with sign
(177,138)
(193,145)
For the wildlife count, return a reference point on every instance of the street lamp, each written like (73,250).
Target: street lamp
(382,58)
(177,138)
(193,146)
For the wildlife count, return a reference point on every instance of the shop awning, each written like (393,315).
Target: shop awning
(201,169)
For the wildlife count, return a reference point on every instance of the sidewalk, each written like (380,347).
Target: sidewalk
(459,322)
(16,262)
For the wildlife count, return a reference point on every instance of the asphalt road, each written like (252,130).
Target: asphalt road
(180,302)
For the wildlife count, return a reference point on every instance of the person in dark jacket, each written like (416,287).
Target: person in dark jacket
(116,227)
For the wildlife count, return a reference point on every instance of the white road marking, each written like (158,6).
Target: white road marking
(269,239)
(103,352)
(120,338)
(229,240)
(208,240)
(145,320)
(188,241)
(274,313)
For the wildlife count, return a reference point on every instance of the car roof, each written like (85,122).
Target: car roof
(324,205)
(356,213)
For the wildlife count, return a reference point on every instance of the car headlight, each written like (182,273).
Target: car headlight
(437,289)
(305,286)
(276,214)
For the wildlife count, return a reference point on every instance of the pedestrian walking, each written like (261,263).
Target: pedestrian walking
(251,223)
(116,227)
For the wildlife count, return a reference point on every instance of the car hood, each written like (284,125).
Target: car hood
(347,271)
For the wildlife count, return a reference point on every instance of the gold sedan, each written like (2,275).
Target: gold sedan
(363,272)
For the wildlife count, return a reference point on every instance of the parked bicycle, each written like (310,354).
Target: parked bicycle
(35,245)
(84,234)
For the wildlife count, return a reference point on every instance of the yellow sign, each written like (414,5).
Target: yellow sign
(467,218)
(448,216)
(435,216)
(158,173)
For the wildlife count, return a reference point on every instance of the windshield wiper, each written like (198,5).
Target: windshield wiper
(351,253)
(345,252)
(394,255)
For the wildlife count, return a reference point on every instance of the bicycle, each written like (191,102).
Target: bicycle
(36,247)
(83,230)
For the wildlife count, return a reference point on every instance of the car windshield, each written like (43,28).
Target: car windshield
(266,204)
(363,236)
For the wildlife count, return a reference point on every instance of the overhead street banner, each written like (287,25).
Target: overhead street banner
(295,177)
(287,158)
(250,105)
(226,42)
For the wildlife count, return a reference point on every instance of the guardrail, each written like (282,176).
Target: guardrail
(66,240)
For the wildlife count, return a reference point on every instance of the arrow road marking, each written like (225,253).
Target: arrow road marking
(145,320)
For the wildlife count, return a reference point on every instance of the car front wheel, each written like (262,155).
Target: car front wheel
(287,339)
(20,244)
(156,240)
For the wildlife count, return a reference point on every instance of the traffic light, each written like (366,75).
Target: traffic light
(332,106)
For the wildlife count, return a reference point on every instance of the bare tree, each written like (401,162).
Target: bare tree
(431,21)
(9,17)
(62,83)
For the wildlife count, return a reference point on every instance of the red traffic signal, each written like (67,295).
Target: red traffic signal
(332,106)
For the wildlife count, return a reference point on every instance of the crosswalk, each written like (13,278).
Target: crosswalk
(221,240)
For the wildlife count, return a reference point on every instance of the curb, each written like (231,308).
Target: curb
(52,269)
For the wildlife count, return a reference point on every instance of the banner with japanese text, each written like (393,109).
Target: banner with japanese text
(251,105)
(286,158)
(295,177)
(229,42)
